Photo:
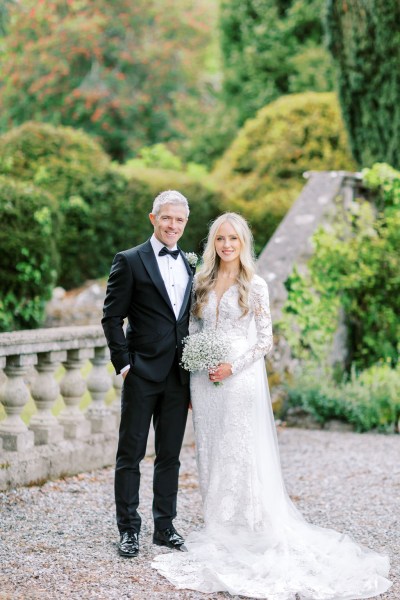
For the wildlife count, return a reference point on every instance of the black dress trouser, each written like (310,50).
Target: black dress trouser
(167,402)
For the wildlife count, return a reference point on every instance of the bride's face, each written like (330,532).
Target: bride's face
(227,243)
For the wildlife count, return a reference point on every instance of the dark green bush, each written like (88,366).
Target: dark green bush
(28,253)
(262,171)
(75,169)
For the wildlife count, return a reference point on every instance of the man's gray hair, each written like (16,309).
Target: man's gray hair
(170,197)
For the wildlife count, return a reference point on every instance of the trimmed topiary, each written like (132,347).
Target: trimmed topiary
(28,253)
(262,171)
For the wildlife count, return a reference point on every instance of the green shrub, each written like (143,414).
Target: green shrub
(262,171)
(145,184)
(158,156)
(384,181)
(309,318)
(367,400)
(356,265)
(364,270)
(75,169)
(28,253)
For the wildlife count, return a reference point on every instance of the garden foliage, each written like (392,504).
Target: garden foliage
(28,254)
(123,71)
(262,171)
(78,173)
(356,269)
(368,400)
(271,48)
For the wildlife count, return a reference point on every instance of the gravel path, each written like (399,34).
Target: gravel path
(58,540)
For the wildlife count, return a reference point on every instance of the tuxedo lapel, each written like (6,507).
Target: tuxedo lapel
(150,264)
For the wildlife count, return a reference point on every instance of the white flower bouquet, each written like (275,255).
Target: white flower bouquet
(204,351)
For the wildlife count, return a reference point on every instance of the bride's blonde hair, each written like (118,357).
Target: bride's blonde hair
(207,275)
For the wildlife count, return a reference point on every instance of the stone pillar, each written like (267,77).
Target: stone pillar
(14,395)
(72,388)
(116,405)
(98,383)
(45,391)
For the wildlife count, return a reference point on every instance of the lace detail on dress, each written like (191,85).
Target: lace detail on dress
(259,301)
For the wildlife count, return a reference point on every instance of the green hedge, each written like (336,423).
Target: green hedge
(74,168)
(262,171)
(28,253)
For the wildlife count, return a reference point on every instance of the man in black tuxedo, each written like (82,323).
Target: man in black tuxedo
(151,286)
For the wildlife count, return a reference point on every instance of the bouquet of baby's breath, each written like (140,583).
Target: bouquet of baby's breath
(204,351)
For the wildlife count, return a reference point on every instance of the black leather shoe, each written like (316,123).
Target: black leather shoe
(129,544)
(169,537)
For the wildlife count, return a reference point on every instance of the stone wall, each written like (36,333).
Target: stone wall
(74,441)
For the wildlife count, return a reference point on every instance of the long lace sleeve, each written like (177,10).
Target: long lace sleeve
(262,317)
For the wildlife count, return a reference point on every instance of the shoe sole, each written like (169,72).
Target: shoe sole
(127,554)
(181,548)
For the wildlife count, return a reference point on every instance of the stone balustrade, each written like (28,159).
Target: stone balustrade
(74,441)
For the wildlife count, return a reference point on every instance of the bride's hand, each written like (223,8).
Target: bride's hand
(221,372)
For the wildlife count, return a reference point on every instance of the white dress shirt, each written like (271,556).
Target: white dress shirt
(175,277)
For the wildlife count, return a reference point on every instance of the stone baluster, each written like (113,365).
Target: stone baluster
(116,405)
(98,384)
(45,391)
(14,395)
(72,388)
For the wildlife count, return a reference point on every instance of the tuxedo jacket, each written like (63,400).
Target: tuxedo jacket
(136,291)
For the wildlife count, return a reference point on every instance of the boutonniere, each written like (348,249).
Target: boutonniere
(192,259)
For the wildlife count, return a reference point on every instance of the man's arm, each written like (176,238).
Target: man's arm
(116,306)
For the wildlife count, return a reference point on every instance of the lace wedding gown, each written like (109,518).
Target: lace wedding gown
(255,543)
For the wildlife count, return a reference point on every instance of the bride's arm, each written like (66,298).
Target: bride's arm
(262,318)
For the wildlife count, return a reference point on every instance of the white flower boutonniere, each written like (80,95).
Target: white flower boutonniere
(192,259)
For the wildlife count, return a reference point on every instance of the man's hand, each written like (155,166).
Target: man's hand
(125,373)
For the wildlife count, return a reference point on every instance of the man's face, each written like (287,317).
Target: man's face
(169,224)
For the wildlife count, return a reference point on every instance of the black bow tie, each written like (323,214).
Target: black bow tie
(173,253)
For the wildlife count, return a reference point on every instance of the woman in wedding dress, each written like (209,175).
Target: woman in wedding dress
(255,543)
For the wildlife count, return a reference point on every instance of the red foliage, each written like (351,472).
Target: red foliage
(113,69)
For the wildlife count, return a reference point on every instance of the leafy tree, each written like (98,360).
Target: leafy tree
(365,41)
(120,70)
(270,48)
(4,8)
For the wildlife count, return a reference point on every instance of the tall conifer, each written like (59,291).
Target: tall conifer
(364,38)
